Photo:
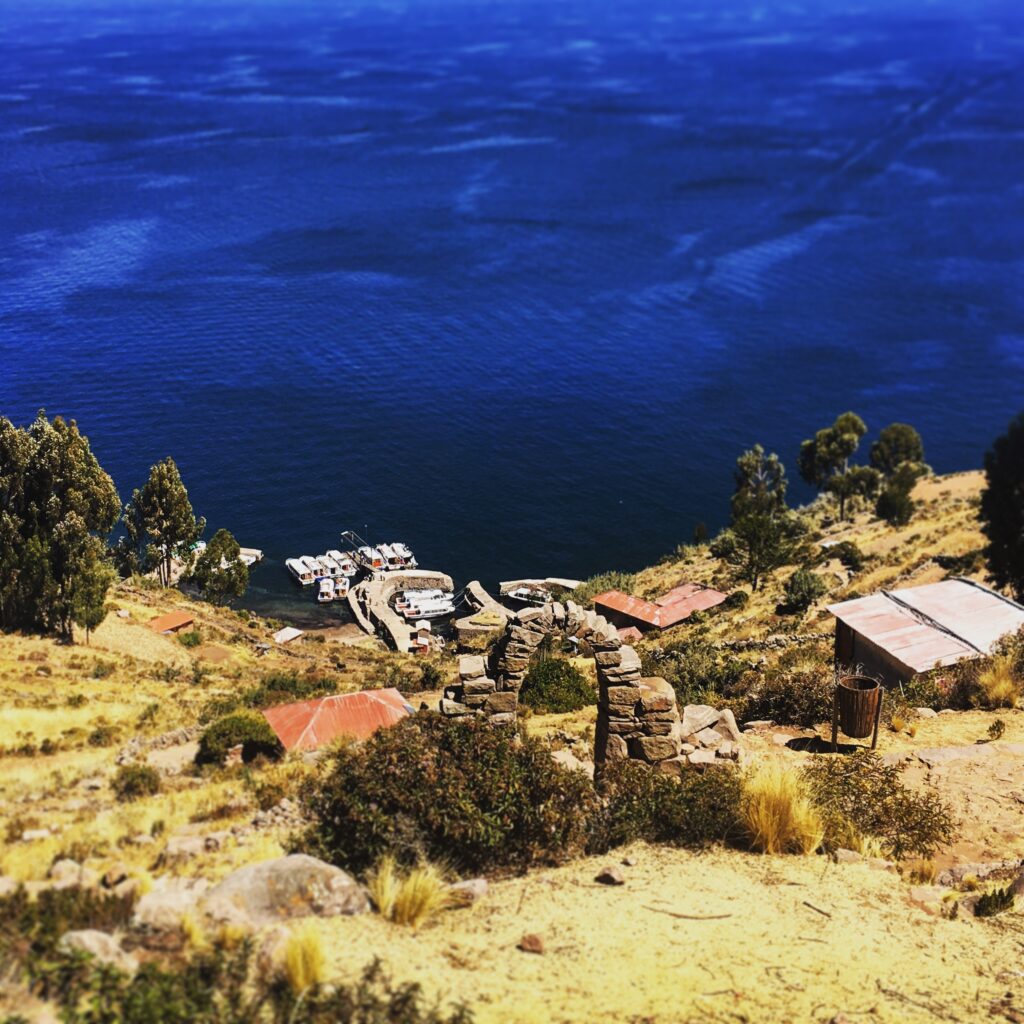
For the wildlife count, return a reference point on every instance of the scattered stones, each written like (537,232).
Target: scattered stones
(697,717)
(758,723)
(610,875)
(65,874)
(989,869)
(468,891)
(274,890)
(531,942)
(926,712)
(726,725)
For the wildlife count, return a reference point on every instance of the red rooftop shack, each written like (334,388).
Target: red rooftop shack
(172,622)
(895,634)
(310,724)
(676,606)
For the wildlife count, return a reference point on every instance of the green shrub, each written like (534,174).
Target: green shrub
(861,795)
(102,669)
(132,781)
(800,697)
(585,593)
(480,798)
(274,688)
(247,728)
(699,809)
(995,902)
(431,677)
(695,668)
(556,686)
(848,554)
(193,638)
(102,736)
(736,600)
(802,589)
(895,506)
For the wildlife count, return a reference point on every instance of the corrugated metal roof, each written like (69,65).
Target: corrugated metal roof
(935,624)
(309,724)
(172,620)
(675,606)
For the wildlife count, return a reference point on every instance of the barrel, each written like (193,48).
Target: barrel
(858,705)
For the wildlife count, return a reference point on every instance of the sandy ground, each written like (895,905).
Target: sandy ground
(619,954)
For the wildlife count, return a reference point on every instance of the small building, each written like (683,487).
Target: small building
(287,635)
(674,607)
(172,622)
(896,634)
(310,724)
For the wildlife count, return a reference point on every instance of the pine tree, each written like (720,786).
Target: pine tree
(219,573)
(91,586)
(1002,509)
(160,523)
(825,459)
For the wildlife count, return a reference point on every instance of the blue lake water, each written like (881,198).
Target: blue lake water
(514,282)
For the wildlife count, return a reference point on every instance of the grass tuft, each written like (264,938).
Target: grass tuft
(998,683)
(383,885)
(304,958)
(778,814)
(422,894)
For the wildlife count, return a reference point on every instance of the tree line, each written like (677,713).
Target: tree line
(58,511)
(764,534)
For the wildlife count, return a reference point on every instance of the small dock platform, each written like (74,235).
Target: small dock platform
(370,602)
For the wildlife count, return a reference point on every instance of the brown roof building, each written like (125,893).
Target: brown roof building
(172,622)
(676,606)
(895,634)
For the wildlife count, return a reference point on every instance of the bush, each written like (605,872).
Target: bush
(860,796)
(802,589)
(736,600)
(801,697)
(695,668)
(193,638)
(484,799)
(995,902)
(848,554)
(585,593)
(274,688)
(778,813)
(895,506)
(102,736)
(132,781)
(556,686)
(247,728)
(638,804)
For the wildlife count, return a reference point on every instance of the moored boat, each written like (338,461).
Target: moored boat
(298,568)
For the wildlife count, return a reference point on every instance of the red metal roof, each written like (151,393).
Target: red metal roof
(675,606)
(170,621)
(935,624)
(310,724)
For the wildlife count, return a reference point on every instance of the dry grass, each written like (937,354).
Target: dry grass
(305,961)
(383,885)
(921,872)
(999,685)
(411,899)
(778,813)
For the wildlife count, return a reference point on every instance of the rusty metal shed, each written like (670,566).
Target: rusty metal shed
(671,609)
(898,633)
(309,724)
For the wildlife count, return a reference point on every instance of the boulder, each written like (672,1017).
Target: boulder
(697,717)
(471,666)
(926,712)
(505,701)
(654,748)
(610,875)
(842,856)
(615,748)
(656,694)
(709,739)
(156,921)
(454,708)
(726,725)
(468,891)
(67,873)
(758,723)
(531,942)
(275,890)
(103,948)
(480,684)
(180,849)
(701,757)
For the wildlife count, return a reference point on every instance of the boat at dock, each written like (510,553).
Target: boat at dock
(397,556)
(430,608)
(345,562)
(409,598)
(302,572)
(326,590)
(371,557)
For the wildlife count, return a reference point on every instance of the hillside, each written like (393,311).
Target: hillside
(720,935)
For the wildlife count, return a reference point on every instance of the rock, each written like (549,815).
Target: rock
(182,849)
(610,875)
(479,685)
(780,739)
(687,748)
(842,856)
(468,891)
(567,759)
(502,702)
(114,875)
(943,755)
(622,696)
(654,748)
(928,898)
(274,890)
(92,783)
(701,757)
(697,717)
(726,749)
(758,723)
(503,718)
(471,666)
(926,712)
(100,946)
(67,873)
(454,709)
(629,862)
(7,885)
(710,739)
(615,748)
(531,942)
(1018,885)
(32,835)
(956,874)
(123,613)
(156,921)
(726,725)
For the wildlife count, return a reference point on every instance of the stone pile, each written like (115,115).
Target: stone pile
(709,735)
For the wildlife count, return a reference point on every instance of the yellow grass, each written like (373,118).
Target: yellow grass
(921,872)
(422,894)
(383,885)
(778,814)
(999,685)
(304,958)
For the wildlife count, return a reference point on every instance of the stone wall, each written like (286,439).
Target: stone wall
(636,717)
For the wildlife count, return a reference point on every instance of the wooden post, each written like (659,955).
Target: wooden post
(878,716)
(835,718)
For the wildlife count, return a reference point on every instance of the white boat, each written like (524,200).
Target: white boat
(329,565)
(312,566)
(302,572)
(408,598)
(341,588)
(392,560)
(529,595)
(429,608)
(346,564)
(405,554)
(326,591)
(372,557)
(250,555)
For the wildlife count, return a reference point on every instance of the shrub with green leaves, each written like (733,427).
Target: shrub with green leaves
(799,696)
(848,554)
(246,728)
(861,795)
(696,668)
(556,686)
(193,638)
(482,799)
(585,593)
(693,811)
(132,781)
(802,589)
(272,689)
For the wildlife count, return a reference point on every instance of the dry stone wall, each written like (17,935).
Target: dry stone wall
(637,717)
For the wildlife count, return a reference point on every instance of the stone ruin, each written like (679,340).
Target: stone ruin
(637,717)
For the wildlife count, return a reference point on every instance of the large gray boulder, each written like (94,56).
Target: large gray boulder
(100,946)
(275,890)
(156,921)
(697,717)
